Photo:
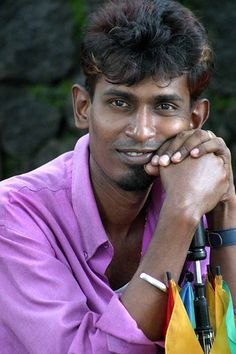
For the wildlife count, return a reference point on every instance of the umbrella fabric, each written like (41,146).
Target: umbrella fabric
(169,308)
(230,320)
(187,296)
(180,335)
(210,295)
(225,333)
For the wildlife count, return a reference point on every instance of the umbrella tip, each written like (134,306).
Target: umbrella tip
(189,276)
(168,274)
(209,268)
(218,272)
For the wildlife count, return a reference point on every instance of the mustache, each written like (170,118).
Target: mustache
(148,145)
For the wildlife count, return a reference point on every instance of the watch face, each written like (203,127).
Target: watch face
(217,239)
(214,239)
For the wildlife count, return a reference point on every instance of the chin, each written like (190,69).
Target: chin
(136,179)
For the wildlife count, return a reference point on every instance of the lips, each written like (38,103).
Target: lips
(135,153)
(135,157)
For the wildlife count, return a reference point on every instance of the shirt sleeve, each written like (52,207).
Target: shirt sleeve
(43,309)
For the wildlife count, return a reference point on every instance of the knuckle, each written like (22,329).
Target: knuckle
(160,151)
(164,147)
(182,135)
(228,152)
(221,143)
(206,134)
(224,174)
(185,149)
(169,152)
(203,135)
(199,133)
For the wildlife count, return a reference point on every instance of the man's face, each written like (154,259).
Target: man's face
(128,124)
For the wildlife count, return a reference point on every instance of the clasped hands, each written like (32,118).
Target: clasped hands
(204,160)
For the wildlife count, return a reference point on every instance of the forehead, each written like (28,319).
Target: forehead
(146,88)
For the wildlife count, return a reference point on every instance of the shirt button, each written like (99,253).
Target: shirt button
(85,255)
(106,244)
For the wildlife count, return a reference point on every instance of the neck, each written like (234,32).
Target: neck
(119,209)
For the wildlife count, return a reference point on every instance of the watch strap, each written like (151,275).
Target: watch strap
(221,238)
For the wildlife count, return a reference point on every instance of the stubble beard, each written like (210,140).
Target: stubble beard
(136,179)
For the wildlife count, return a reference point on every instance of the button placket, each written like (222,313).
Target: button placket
(106,245)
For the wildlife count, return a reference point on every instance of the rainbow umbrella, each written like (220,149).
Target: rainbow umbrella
(200,319)
(180,334)
(221,313)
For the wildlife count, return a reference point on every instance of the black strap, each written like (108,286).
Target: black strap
(220,238)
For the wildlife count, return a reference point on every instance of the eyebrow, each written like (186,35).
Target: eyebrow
(115,92)
(168,97)
(130,96)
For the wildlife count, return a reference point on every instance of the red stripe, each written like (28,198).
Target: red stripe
(169,308)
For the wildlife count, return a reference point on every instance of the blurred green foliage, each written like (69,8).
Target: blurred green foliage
(79,13)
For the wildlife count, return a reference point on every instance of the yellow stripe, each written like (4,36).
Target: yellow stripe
(210,295)
(221,344)
(180,336)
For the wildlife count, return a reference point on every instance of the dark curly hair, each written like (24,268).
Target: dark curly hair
(128,40)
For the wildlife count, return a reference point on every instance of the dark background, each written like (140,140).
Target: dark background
(39,61)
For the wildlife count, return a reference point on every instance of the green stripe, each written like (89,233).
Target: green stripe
(230,322)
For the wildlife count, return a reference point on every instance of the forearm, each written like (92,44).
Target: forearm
(224,217)
(193,188)
(167,252)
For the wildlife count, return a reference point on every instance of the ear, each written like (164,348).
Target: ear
(81,105)
(199,113)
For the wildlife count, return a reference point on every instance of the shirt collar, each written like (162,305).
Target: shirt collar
(92,232)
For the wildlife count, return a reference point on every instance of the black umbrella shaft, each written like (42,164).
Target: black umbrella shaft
(197,253)
(203,329)
(197,250)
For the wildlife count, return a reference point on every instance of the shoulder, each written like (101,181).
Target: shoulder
(53,175)
(41,203)
(35,191)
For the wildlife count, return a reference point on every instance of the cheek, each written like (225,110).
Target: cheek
(101,136)
(175,126)
(104,126)
(97,125)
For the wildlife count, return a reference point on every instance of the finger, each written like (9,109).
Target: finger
(164,147)
(169,148)
(155,160)
(151,170)
(211,134)
(194,140)
(215,145)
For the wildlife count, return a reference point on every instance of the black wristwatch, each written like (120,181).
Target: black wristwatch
(221,238)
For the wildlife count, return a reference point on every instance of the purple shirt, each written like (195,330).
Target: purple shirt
(54,251)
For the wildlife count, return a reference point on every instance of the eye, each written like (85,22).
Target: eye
(166,107)
(119,103)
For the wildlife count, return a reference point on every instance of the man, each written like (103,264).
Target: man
(76,234)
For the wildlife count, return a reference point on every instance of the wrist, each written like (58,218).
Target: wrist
(170,243)
(223,216)
(186,212)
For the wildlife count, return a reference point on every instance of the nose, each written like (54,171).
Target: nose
(141,126)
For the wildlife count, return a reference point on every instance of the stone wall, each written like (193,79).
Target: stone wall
(39,61)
